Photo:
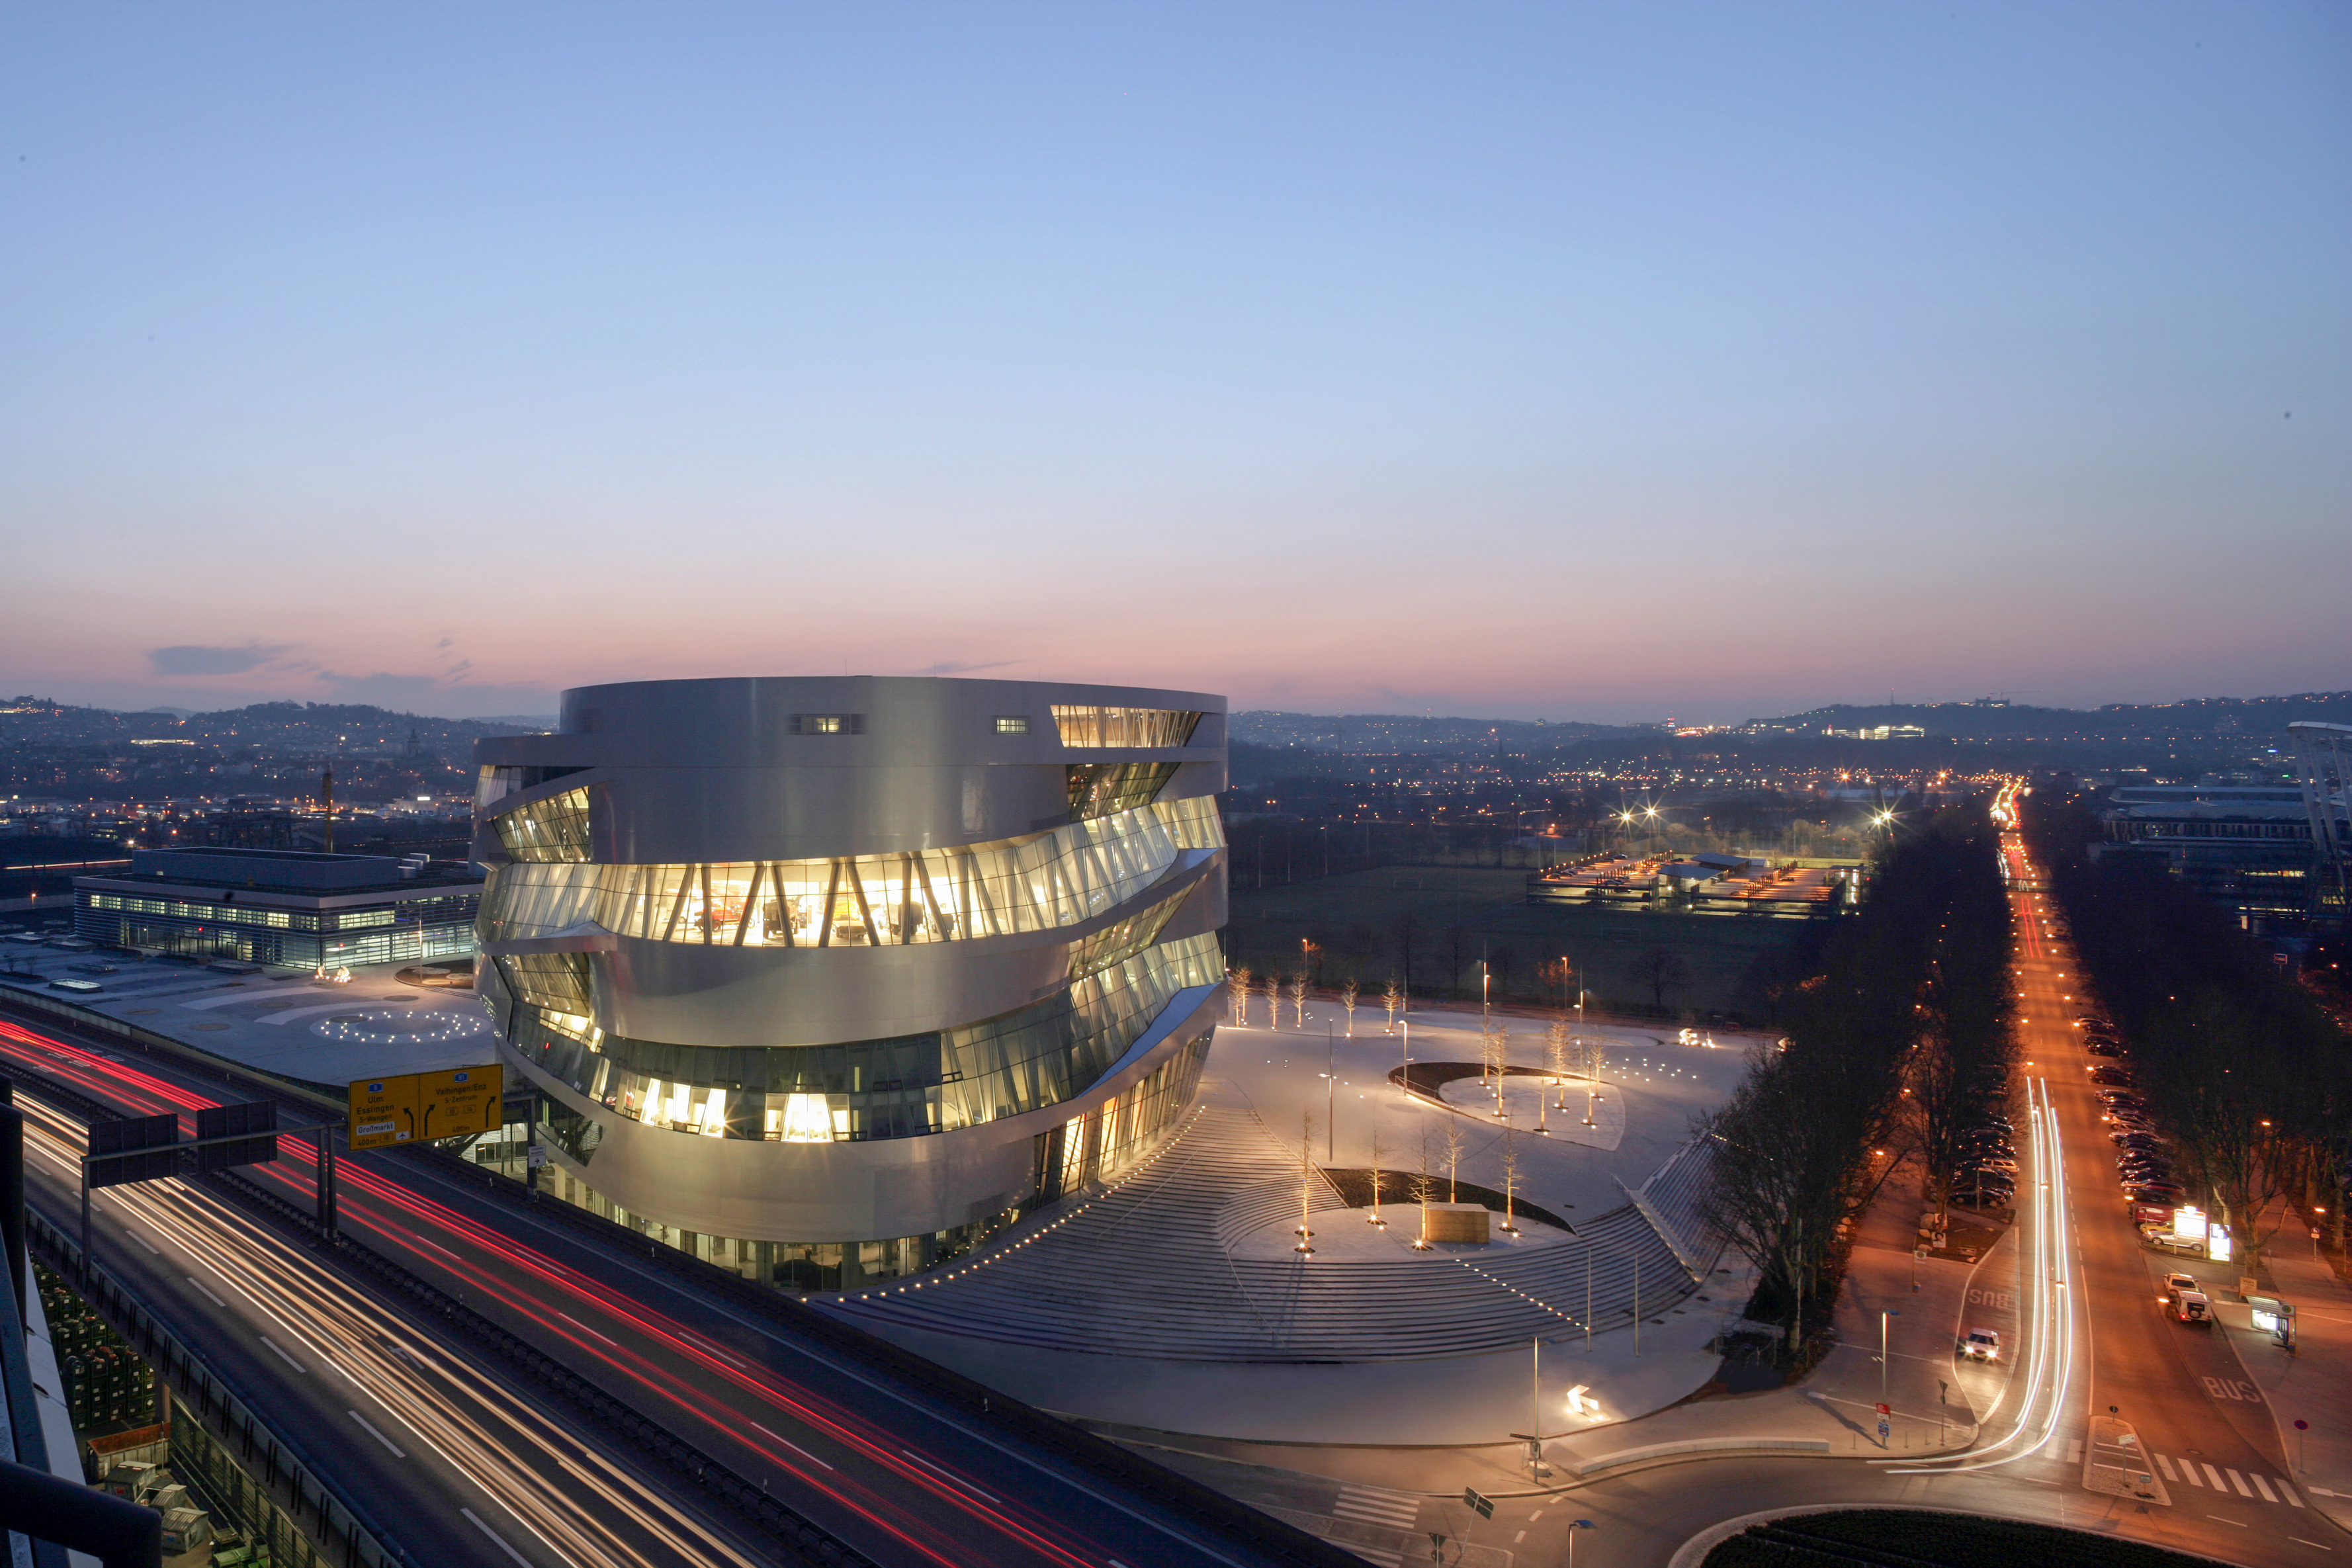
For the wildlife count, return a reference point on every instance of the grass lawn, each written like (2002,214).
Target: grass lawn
(1363,920)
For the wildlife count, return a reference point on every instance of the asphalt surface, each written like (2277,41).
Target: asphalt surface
(441,1460)
(902,1480)
(2090,1334)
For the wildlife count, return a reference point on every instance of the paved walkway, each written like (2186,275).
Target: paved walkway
(2312,1383)
(1164,1265)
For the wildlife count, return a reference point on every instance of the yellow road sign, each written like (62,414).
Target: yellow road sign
(461,1100)
(412,1107)
(383,1110)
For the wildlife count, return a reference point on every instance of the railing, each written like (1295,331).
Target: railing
(327,1530)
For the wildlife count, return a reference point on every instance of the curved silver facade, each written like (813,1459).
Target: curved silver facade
(822,978)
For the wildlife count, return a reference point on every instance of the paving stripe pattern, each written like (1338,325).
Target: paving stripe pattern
(1143,1268)
(2273,1488)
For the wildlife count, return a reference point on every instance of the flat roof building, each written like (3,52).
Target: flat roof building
(826,979)
(289,908)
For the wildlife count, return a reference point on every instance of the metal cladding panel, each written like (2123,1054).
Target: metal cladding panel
(690,995)
(847,1191)
(906,721)
(665,814)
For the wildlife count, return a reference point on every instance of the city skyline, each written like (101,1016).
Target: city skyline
(1565,364)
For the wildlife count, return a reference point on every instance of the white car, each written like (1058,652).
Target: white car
(1981,1345)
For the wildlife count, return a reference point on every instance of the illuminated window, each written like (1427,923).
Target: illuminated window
(1125,726)
(1012,724)
(555,828)
(1000,888)
(828,723)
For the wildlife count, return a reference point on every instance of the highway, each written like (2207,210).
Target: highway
(453,1466)
(898,1477)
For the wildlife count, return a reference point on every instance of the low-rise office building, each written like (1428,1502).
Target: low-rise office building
(291,908)
(823,980)
(2247,848)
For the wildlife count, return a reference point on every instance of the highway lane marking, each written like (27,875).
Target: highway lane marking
(2239,1522)
(785,1340)
(369,1427)
(586,1329)
(2215,1477)
(2239,1481)
(495,1536)
(951,1475)
(795,1447)
(143,1242)
(2299,1541)
(2166,1465)
(2264,1487)
(199,1284)
(2288,1493)
(280,1354)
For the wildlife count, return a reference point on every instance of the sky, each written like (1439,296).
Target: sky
(1551,360)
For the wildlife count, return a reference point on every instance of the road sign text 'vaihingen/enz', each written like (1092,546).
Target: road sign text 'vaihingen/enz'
(412,1107)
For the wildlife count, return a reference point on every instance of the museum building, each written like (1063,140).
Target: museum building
(824,980)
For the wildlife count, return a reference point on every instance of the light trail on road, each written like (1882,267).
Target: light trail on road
(522,1467)
(2049,1374)
(680,1372)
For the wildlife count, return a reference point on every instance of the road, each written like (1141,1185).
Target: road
(2094,1338)
(457,1469)
(902,1479)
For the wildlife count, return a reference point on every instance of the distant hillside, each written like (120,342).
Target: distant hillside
(1389,734)
(349,727)
(2209,718)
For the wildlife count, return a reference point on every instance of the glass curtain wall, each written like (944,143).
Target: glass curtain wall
(999,888)
(899,1087)
(1103,789)
(554,829)
(1082,726)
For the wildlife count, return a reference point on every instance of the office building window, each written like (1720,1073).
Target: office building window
(1012,724)
(828,723)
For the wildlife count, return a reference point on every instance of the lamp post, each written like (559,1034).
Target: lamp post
(1575,1525)
(1884,1313)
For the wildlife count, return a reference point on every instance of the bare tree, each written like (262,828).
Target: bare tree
(1298,999)
(1348,990)
(1661,970)
(1453,1143)
(1559,1039)
(1422,1186)
(1379,1153)
(1494,1060)
(1240,993)
(1305,1180)
(1273,1001)
(1393,1000)
(1510,1180)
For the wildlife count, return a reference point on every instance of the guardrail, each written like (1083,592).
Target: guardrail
(336,1530)
(1202,1508)
(152,1043)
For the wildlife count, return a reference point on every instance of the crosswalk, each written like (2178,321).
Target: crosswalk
(2198,1473)
(2253,1485)
(1374,1505)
